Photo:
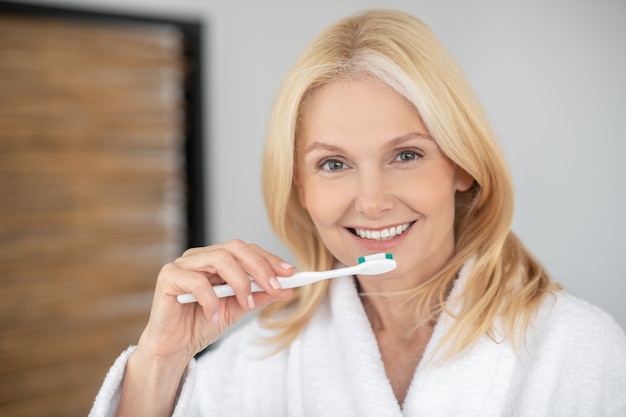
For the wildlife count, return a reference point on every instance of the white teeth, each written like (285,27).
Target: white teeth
(384,234)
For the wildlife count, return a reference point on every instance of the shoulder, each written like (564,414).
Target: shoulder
(581,348)
(569,319)
(574,359)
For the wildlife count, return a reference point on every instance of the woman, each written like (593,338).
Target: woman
(376,144)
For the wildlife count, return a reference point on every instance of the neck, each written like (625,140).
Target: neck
(395,314)
(389,306)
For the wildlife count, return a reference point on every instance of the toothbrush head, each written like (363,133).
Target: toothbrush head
(378,263)
(382,255)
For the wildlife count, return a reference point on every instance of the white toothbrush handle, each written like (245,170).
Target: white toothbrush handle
(372,265)
(296,280)
(221,291)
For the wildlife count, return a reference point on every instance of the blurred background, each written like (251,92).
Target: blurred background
(130,130)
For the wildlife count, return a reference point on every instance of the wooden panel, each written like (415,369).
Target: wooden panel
(92,200)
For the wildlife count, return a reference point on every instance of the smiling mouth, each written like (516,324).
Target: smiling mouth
(382,234)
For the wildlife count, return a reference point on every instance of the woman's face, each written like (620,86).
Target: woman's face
(373,180)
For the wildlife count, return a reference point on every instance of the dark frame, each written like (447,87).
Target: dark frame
(193,145)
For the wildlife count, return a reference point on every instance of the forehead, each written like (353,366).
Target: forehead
(363,107)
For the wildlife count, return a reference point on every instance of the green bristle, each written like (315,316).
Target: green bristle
(387,256)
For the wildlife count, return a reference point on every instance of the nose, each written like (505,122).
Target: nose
(373,195)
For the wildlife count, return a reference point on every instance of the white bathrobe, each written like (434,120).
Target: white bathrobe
(572,364)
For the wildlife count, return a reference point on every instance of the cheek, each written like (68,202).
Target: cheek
(433,192)
(324,204)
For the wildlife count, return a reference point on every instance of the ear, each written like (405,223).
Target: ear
(463,180)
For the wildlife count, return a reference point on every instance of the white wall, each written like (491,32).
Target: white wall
(550,75)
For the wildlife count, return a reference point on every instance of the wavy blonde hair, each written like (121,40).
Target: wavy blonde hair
(401,51)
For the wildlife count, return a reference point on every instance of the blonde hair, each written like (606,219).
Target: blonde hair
(401,51)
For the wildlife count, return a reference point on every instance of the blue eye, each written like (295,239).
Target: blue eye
(407,156)
(332,165)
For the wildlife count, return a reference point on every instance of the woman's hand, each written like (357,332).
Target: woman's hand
(175,328)
(175,332)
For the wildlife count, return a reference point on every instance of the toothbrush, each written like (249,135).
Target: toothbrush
(378,263)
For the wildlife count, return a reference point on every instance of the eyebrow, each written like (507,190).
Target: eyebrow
(392,143)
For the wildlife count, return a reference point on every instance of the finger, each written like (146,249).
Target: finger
(278,264)
(233,271)
(253,260)
(184,281)
(260,265)
(208,300)
(177,281)
(219,261)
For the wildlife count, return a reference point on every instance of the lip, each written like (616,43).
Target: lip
(380,245)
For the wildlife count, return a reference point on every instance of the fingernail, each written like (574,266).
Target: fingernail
(250,302)
(275,284)
(215,318)
(285,265)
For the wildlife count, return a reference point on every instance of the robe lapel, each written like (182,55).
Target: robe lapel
(335,368)
(475,383)
(368,384)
